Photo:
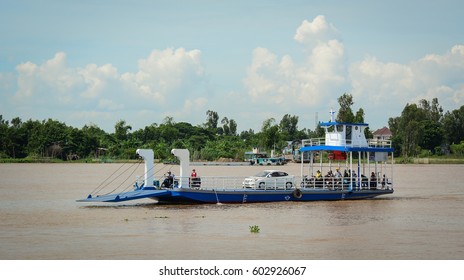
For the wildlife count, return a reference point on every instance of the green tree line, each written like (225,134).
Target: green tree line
(422,129)
(209,141)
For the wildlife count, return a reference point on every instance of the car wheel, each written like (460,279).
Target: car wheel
(289,185)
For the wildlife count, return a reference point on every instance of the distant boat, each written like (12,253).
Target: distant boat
(259,158)
(342,166)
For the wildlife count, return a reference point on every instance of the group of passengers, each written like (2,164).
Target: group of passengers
(338,179)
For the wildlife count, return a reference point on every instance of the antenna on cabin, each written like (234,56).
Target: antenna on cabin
(332,115)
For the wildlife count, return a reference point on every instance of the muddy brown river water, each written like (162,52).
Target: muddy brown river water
(40,219)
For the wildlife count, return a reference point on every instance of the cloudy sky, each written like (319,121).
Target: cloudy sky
(88,61)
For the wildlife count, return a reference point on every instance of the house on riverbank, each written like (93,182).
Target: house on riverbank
(382,134)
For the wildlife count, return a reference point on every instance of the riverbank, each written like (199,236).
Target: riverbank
(431,160)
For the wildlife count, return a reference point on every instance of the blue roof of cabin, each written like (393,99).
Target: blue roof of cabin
(345,149)
(342,123)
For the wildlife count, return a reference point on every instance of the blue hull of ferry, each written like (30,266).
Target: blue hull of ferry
(255,196)
(126,196)
(235,196)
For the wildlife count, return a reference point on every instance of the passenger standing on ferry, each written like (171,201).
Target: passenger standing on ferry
(194,180)
(345,177)
(373,181)
(353,176)
(338,176)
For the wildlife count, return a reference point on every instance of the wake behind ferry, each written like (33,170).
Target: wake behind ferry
(343,166)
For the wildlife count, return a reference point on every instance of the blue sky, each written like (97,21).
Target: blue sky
(84,62)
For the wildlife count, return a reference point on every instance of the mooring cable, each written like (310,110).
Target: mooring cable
(136,166)
(120,174)
(101,186)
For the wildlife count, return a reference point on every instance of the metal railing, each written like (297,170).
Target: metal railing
(305,182)
(346,183)
(379,143)
(373,143)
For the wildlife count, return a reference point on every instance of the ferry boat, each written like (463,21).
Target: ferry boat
(343,166)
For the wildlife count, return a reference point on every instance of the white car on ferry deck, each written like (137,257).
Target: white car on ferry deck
(270,179)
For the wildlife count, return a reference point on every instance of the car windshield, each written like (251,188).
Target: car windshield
(262,174)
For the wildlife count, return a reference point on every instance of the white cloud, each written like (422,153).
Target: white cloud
(165,80)
(317,30)
(382,85)
(166,75)
(309,82)
(96,79)
(380,82)
(53,76)
(26,80)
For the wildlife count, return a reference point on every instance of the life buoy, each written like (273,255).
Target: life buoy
(297,193)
